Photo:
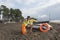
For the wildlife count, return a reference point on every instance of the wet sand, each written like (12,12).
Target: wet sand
(12,31)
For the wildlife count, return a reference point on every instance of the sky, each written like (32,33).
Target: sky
(33,8)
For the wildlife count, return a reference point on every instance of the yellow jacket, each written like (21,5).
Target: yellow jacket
(29,21)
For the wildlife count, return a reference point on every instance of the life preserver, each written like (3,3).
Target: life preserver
(23,29)
(47,27)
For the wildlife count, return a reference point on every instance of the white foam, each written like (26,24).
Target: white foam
(55,21)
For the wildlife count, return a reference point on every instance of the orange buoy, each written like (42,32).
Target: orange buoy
(46,26)
(23,29)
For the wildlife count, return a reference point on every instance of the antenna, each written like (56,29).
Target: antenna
(49,17)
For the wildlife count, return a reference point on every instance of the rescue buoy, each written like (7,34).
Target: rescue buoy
(44,27)
(23,29)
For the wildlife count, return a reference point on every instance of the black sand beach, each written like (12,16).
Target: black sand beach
(12,31)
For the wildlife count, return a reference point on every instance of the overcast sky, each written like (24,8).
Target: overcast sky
(33,8)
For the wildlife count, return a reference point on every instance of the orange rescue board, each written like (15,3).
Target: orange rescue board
(23,29)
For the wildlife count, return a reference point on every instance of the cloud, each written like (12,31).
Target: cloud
(34,10)
(8,3)
(28,2)
(29,7)
(19,1)
(1,2)
(43,16)
(58,1)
